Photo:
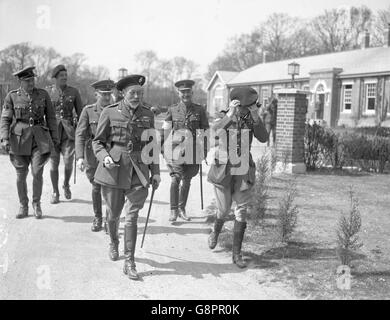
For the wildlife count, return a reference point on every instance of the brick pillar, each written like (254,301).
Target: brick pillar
(290,130)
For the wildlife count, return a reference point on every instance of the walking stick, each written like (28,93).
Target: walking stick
(75,162)
(201,186)
(74,169)
(147,218)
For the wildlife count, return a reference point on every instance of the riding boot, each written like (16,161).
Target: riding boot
(54,181)
(129,267)
(183,196)
(97,210)
(66,187)
(238,236)
(113,227)
(213,237)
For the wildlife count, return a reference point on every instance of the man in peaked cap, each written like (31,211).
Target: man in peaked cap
(68,105)
(85,132)
(185,116)
(30,138)
(230,183)
(121,171)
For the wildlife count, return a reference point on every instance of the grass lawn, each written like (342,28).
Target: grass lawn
(309,261)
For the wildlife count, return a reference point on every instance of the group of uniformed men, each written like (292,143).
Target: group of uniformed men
(108,141)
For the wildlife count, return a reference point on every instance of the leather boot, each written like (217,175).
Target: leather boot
(183,196)
(183,215)
(238,236)
(67,192)
(129,267)
(37,210)
(23,212)
(213,237)
(97,224)
(97,209)
(113,232)
(55,197)
(173,215)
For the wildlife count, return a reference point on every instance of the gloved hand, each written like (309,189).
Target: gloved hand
(254,110)
(5,145)
(109,163)
(156,181)
(233,106)
(80,164)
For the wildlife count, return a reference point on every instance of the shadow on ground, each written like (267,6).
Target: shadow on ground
(185,267)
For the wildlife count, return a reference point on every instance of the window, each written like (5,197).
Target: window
(347,98)
(265,94)
(218,97)
(370,98)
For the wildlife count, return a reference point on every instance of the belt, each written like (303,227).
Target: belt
(130,146)
(33,122)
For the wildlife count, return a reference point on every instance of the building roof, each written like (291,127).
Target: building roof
(225,76)
(355,62)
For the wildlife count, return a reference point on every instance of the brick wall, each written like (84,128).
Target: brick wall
(290,125)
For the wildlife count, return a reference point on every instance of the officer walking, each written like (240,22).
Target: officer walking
(68,105)
(85,132)
(230,183)
(269,114)
(186,116)
(121,170)
(28,130)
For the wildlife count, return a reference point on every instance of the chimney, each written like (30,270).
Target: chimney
(366,40)
(386,35)
(264,56)
(122,72)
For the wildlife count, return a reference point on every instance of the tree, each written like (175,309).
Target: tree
(380,24)
(341,29)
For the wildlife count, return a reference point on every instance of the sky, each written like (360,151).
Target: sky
(110,33)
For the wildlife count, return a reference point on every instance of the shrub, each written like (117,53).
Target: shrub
(260,191)
(287,213)
(369,148)
(311,142)
(347,231)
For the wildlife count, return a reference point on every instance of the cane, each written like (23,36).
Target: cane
(201,186)
(147,218)
(74,173)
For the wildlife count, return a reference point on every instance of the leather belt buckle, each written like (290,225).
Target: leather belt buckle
(31,122)
(62,113)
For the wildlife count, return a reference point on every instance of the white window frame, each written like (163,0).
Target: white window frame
(218,97)
(366,84)
(267,89)
(344,84)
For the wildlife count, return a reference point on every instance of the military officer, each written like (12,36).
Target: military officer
(28,131)
(68,105)
(187,116)
(85,132)
(230,182)
(121,171)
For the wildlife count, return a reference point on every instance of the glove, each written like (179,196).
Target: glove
(156,181)
(80,164)
(109,163)
(5,145)
(234,104)
(254,110)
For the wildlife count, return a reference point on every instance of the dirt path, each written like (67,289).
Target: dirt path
(60,258)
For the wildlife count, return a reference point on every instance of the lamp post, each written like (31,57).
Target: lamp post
(293,70)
